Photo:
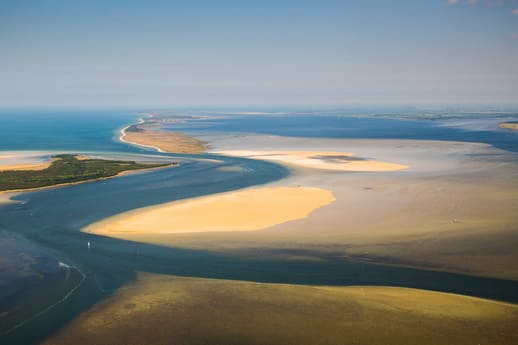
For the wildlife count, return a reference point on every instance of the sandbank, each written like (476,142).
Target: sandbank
(213,311)
(242,210)
(326,160)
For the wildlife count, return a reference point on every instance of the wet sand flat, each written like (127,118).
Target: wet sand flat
(208,311)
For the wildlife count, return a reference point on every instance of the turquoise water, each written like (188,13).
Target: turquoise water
(49,221)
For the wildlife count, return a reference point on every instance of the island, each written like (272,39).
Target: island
(509,125)
(69,168)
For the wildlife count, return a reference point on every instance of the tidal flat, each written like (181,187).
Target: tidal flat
(158,309)
(450,193)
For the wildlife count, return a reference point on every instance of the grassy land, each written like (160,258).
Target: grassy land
(67,169)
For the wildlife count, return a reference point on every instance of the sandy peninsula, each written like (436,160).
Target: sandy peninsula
(340,161)
(242,210)
(210,311)
(160,140)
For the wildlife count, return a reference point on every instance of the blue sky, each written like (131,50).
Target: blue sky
(258,53)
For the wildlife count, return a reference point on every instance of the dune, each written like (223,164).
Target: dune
(242,210)
(326,160)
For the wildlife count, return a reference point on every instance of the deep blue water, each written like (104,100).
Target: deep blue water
(349,127)
(91,130)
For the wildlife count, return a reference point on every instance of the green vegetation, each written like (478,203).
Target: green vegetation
(66,169)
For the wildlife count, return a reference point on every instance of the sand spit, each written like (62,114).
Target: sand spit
(326,160)
(242,210)
(161,141)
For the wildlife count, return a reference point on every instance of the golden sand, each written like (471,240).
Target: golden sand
(210,311)
(242,210)
(326,160)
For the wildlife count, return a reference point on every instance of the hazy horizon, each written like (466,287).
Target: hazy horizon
(274,53)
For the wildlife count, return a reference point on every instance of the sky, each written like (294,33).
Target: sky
(158,53)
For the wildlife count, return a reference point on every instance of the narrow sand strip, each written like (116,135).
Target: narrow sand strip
(242,210)
(326,160)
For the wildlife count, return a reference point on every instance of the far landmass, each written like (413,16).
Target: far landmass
(67,168)
(509,125)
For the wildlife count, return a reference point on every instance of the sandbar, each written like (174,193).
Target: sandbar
(326,160)
(242,210)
